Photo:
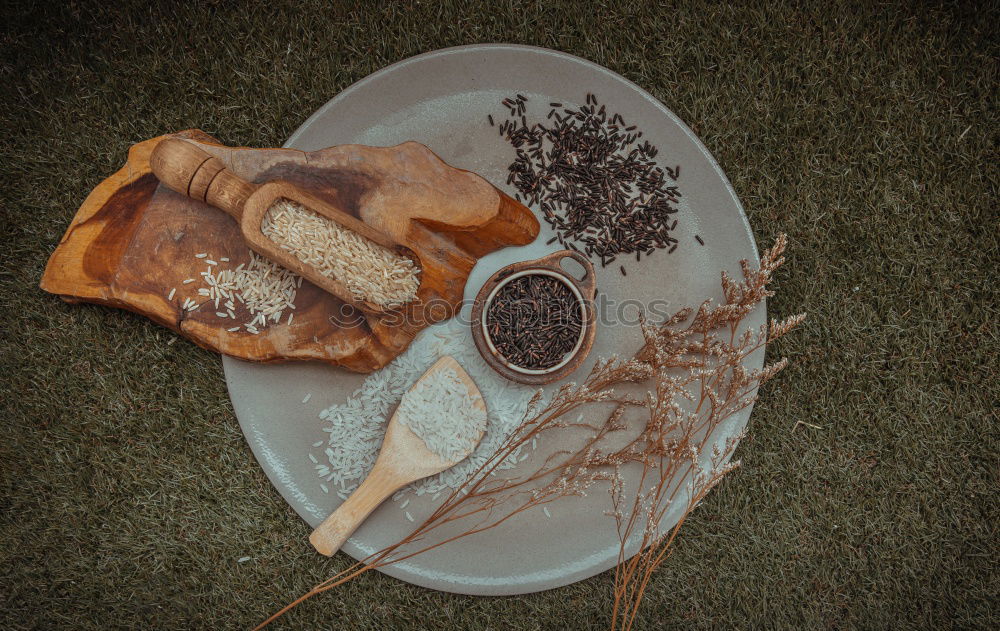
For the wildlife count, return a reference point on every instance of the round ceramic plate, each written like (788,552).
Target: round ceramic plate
(442,100)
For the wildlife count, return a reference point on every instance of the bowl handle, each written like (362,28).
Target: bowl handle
(586,285)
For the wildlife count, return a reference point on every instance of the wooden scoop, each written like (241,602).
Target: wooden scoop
(191,171)
(404,458)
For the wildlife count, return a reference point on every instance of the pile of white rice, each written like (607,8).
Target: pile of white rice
(441,412)
(254,295)
(356,427)
(370,271)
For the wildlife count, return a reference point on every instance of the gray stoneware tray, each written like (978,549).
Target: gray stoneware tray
(441,99)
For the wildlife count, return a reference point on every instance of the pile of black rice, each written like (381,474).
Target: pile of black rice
(597,186)
(534,321)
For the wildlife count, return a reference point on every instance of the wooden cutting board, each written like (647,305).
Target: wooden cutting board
(133,241)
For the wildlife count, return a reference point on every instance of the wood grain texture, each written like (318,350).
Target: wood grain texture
(133,240)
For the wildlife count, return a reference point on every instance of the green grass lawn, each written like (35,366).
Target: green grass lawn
(868,133)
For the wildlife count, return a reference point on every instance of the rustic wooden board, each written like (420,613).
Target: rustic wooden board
(133,240)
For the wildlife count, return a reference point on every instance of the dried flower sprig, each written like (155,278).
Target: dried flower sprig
(684,456)
(695,367)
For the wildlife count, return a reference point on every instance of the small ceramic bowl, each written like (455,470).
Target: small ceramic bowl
(583,289)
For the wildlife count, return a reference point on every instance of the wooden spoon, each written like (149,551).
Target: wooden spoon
(192,171)
(404,458)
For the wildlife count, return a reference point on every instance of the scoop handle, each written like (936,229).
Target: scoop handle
(341,524)
(192,171)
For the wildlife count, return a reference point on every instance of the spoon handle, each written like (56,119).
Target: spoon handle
(192,171)
(334,531)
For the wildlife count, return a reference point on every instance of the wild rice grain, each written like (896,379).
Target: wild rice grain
(534,321)
(593,183)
